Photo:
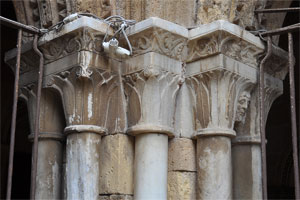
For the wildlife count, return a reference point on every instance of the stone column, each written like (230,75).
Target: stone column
(85,96)
(221,67)
(152,114)
(246,149)
(182,171)
(214,135)
(49,167)
(117,149)
(152,80)
(85,82)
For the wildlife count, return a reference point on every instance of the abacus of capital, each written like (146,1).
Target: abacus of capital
(176,120)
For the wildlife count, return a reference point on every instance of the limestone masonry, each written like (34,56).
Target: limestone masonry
(178,119)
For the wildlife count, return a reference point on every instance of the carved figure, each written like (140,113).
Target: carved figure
(243,103)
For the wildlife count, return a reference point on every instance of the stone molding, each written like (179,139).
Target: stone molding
(48,136)
(240,140)
(85,129)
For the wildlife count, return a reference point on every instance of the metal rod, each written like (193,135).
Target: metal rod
(262,118)
(14,116)
(293,115)
(287,29)
(277,10)
(17,25)
(37,119)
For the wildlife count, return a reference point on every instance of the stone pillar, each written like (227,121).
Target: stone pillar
(117,149)
(182,171)
(151,122)
(221,67)
(49,167)
(151,166)
(151,82)
(246,149)
(86,84)
(116,165)
(85,95)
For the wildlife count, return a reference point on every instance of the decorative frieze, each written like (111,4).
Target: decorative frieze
(223,41)
(85,40)
(160,41)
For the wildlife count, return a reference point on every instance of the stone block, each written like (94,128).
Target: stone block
(182,155)
(182,185)
(116,164)
(115,197)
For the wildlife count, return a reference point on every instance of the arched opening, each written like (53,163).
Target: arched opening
(22,157)
(278,128)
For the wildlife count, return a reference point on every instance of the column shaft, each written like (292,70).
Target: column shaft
(49,169)
(83,165)
(214,167)
(151,166)
(246,161)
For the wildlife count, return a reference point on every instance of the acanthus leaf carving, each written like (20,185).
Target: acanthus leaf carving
(216,94)
(151,95)
(84,40)
(85,100)
(221,42)
(159,41)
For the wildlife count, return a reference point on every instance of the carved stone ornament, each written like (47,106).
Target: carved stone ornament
(242,106)
(225,43)
(249,130)
(160,41)
(85,39)
(151,95)
(216,94)
(86,99)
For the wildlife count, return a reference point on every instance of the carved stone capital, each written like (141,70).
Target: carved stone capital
(248,131)
(151,95)
(160,36)
(51,120)
(84,39)
(222,37)
(216,94)
(86,99)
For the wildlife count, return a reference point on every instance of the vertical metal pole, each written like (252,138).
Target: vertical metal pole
(14,116)
(262,118)
(37,120)
(293,115)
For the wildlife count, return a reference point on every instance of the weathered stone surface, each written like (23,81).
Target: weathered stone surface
(48,185)
(246,161)
(116,164)
(182,155)
(182,185)
(115,197)
(214,168)
(151,166)
(83,165)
